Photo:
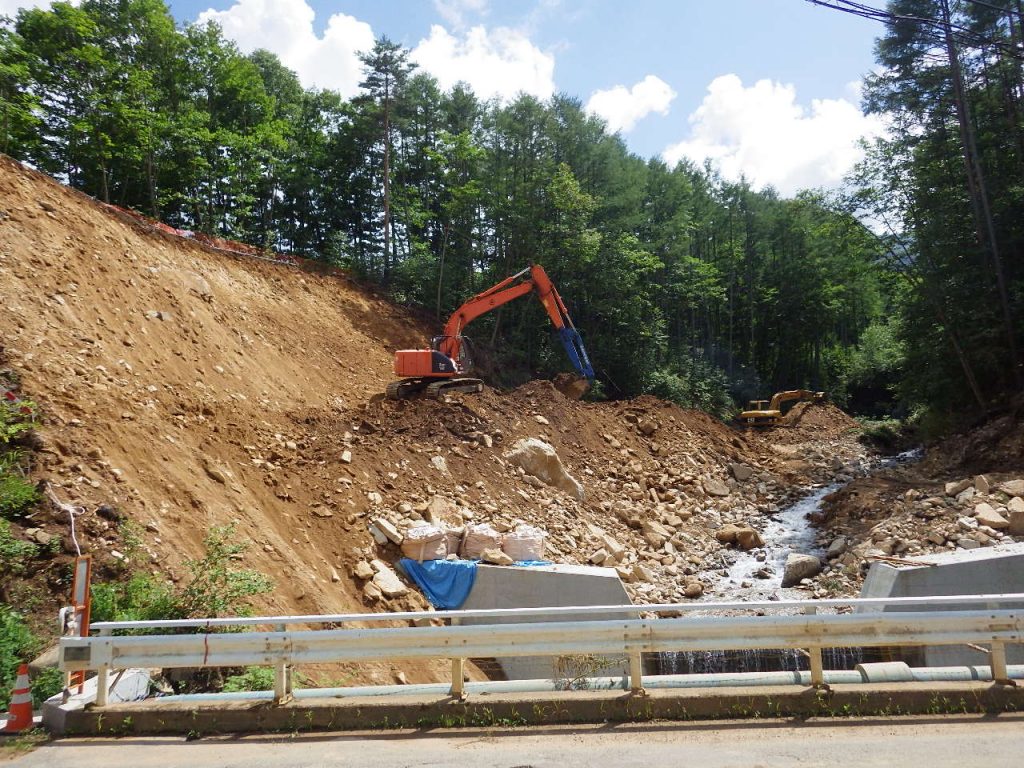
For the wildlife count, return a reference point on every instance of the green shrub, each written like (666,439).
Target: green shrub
(47,683)
(885,434)
(13,552)
(260,679)
(214,589)
(140,598)
(17,418)
(692,383)
(253,679)
(17,495)
(17,645)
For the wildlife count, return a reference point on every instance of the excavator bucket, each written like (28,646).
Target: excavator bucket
(573,387)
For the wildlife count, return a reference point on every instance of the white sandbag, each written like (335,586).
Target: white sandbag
(477,538)
(524,543)
(425,542)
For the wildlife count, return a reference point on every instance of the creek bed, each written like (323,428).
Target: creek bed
(784,532)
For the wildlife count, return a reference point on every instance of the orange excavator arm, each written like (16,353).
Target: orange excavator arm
(508,290)
(425,368)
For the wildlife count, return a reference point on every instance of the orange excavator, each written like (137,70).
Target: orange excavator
(760,416)
(444,366)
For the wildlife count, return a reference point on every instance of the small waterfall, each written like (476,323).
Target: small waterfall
(774,660)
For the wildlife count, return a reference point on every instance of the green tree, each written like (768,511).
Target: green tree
(387,68)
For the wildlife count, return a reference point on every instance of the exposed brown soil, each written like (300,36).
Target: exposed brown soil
(187,388)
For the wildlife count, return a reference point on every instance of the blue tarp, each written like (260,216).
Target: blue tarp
(446,583)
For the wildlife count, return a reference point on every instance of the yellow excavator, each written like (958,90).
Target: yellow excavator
(759,415)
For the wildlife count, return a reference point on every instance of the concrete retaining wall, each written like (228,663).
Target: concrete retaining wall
(539,587)
(992,570)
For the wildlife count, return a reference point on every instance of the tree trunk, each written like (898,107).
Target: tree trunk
(979,194)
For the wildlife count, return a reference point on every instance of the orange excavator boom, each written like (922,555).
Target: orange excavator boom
(436,369)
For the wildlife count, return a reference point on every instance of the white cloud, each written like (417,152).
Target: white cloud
(623,108)
(285,27)
(500,62)
(455,11)
(761,132)
(10,7)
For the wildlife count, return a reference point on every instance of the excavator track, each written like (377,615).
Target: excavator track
(400,390)
(438,389)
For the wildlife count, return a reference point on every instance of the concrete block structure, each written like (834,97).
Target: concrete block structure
(540,587)
(989,570)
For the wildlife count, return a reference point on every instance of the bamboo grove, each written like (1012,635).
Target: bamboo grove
(683,283)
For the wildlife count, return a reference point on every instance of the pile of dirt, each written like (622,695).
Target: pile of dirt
(184,388)
(821,422)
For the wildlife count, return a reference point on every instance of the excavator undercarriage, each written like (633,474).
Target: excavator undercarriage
(399,390)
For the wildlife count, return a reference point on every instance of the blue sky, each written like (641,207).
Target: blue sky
(763,88)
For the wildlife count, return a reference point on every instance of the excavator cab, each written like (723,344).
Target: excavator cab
(464,351)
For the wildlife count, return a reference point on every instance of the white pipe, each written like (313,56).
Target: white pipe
(723,680)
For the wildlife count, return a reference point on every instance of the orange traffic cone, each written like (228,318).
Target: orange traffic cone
(20,713)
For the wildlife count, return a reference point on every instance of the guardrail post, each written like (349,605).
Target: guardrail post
(814,655)
(102,679)
(282,677)
(458,690)
(102,686)
(636,674)
(998,661)
(817,670)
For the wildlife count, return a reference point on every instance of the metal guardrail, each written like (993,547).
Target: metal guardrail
(989,620)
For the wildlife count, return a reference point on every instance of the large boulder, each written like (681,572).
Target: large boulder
(655,533)
(741,472)
(539,459)
(800,567)
(1012,487)
(1015,525)
(388,583)
(743,536)
(837,547)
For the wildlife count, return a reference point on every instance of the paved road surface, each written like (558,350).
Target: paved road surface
(962,742)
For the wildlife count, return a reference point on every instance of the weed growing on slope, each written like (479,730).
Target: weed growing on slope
(215,588)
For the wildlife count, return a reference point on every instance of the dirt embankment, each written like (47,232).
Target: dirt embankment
(187,388)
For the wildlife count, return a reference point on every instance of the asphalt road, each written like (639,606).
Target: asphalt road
(855,743)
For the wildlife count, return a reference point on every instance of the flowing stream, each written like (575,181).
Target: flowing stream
(757,575)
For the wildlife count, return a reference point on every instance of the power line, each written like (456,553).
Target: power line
(965,35)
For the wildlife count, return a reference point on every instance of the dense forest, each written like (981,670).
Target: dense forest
(683,283)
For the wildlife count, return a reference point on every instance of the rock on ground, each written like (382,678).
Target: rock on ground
(539,459)
(799,567)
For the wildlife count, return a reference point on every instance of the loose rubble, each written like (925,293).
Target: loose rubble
(900,513)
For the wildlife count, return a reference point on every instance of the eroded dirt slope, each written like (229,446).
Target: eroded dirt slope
(188,388)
